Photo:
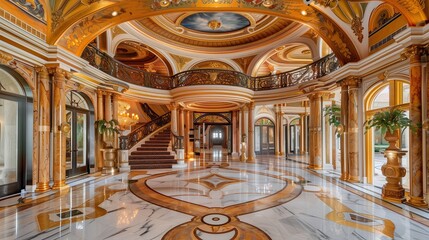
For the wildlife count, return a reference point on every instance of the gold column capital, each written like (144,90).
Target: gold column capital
(41,69)
(316,95)
(351,81)
(414,53)
(174,106)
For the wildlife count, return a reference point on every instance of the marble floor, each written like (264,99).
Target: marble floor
(214,198)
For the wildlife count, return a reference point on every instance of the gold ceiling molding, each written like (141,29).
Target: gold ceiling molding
(116,31)
(277,27)
(244,62)
(75,24)
(180,61)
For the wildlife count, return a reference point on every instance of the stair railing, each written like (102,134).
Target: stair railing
(128,141)
(177,142)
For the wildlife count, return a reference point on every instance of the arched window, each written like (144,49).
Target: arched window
(393,94)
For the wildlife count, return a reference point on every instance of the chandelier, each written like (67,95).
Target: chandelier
(124,118)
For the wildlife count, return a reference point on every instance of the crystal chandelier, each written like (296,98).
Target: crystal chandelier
(124,118)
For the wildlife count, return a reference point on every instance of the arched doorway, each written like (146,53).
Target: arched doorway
(294,136)
(393,94)
(15,138)
(264,136)
(212,131)
(79,145)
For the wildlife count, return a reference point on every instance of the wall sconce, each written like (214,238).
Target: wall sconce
(64,127)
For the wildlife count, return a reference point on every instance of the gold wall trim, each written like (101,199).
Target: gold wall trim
(24,26)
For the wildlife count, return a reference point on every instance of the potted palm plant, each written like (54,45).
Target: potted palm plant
(333,113)
(391,123)
(108,129)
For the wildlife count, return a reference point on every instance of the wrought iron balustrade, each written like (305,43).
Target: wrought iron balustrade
(107,64)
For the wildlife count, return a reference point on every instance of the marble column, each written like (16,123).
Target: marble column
(302,134)
(352,128)
(186,133)
(99,144)
(251,137)
(316,158)
(59,163)
(277,131)
(181,122)
(44,130)
(416,170)
(234,134)
(344,136)
(108,106)
(174,118)
(282,135)
(115,113)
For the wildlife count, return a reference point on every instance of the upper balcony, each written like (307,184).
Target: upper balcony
(107,64)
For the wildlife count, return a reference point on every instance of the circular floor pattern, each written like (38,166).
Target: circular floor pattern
(239,192)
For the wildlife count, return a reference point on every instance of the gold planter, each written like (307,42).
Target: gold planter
(109,161)
(392,170)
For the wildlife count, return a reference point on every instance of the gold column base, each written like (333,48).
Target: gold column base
(393,194)
(417,202)
(60,185)
(353,179)
(344,177)
(281,153)
(43,187)
(277,153)
(314,167)
(250,159)
(109,170)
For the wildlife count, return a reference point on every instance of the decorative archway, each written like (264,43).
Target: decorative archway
(384,96)
(212,129)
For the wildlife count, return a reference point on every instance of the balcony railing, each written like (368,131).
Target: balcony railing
(107,64)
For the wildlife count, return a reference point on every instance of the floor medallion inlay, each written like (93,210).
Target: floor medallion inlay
(216,197)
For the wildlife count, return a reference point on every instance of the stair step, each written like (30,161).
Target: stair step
(151,166)
(151,161)
(149,152)
(155,144)
(145,157)
(146,148)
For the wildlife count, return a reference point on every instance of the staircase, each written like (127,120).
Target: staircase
(153,153)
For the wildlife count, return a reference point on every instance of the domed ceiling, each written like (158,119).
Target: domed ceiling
(139,56)
(209,31)
(212,22)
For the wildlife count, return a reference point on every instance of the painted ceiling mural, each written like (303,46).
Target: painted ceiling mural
(33,7)
(215,22)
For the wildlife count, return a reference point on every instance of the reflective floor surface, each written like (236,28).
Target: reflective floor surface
(223,199)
